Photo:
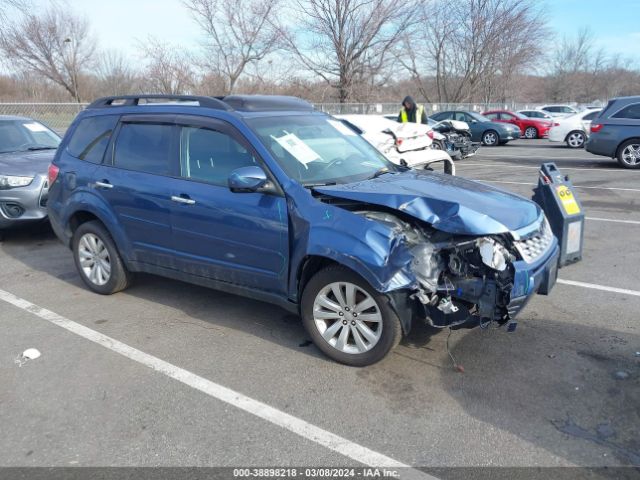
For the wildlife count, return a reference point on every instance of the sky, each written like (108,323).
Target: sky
(122,24)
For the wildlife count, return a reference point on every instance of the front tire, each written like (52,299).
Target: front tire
(490,138)
(531,133)
(347,319)
(576,139)
(629,154)
(97,259)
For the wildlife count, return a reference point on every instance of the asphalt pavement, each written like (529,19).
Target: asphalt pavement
(562,390)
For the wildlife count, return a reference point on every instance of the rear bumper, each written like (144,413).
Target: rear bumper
(598,146)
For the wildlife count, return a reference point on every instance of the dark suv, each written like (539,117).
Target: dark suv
(268,198)
(615,132)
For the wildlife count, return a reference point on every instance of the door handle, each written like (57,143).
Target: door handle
(183,200)
(104,184)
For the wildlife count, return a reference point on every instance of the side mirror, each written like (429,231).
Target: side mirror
(247,179)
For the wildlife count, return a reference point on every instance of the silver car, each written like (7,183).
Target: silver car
(26,150)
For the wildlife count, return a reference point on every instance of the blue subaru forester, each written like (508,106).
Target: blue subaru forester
(265,197)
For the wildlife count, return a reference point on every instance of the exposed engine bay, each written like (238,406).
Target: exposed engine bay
(463,281)
(458,141)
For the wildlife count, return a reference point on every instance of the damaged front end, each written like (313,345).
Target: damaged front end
(465,281)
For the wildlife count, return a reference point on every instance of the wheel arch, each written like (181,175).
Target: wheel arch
(399,300)
(576,130)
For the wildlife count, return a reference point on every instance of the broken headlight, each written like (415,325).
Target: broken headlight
(493,254)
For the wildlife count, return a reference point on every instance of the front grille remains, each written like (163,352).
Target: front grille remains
(537,244)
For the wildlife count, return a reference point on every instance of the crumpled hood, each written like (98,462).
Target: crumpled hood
(450,204)
(28,164)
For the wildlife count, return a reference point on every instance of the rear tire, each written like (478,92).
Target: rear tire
(334,305)
(97,259)
(531,133)
(576,139)
(437,145)
(490,138)
(629,154)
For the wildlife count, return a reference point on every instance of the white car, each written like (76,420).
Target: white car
(558,110)
(573,130)
(406,144)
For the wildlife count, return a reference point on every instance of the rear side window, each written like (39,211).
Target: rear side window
(144,147)
(591,116)
(91,137)
(492,116)
(630,111)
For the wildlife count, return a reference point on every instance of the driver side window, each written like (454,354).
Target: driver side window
(210,156)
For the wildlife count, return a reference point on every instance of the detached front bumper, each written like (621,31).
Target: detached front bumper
(529,279)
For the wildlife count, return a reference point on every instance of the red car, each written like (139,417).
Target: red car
(530,127)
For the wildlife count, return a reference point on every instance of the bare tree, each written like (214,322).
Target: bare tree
(169,69)
(472,48)
(239,34)
(115,75)
(11,6)
(347,42)
(55,44)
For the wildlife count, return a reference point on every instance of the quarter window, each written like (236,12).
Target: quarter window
(210,156)
(91,136)
(630,111)
(144,147)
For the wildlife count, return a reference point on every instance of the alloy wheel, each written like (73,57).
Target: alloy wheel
(530,133)
(94,259)
(490,138)
(631,154)
(576,140)
(347,317)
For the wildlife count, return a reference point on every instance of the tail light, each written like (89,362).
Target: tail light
(430,134)
(596,127)
(53,174)
(556,124)
(398,141)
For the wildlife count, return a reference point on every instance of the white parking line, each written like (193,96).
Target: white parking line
(632,222)
(559,157)
(277,417)
(575,186)
(504,165)
(604,288)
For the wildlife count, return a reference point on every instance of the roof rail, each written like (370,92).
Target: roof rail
(129,100)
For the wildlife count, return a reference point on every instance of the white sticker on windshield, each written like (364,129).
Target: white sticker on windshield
(35,127)
(341,127)
(296,147)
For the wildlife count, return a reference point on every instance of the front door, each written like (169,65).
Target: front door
(240,238)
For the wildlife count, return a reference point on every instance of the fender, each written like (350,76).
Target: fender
(85,200)
(369,248)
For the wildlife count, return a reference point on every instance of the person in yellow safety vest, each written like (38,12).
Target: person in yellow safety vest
(411,112)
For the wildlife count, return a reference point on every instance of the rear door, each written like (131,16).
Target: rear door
(240,238)
(136,179)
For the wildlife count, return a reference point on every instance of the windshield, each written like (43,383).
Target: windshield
(25,135)
(319,150)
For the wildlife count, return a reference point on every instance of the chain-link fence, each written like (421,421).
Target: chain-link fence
(390,108)
(59,116)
